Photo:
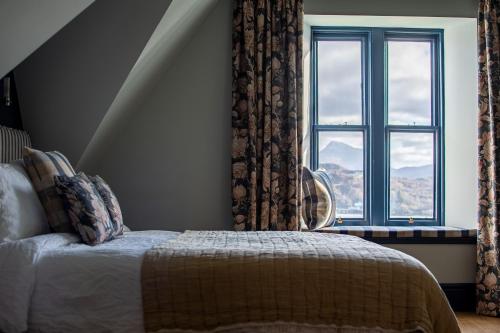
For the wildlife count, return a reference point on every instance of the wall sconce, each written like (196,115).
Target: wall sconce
(6,91)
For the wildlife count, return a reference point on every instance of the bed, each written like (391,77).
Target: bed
(55,283)
(162,281)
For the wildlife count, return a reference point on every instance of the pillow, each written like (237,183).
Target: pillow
(21,213)
(42,167)
(111,202)
(318,200)
(12,142)
(85,207)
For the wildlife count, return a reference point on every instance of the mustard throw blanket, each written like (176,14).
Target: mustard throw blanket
(223,281)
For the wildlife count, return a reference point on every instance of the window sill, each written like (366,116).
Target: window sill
(407,235)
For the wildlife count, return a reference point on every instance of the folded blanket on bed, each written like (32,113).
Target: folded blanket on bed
(288,282)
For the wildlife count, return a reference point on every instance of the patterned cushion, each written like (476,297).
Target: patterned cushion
(318,200)
(12,142)
(85,207)
(111,202)
(42,167)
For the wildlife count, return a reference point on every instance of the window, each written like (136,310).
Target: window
(376,123)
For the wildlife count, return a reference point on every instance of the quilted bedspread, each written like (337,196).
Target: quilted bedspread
(224,281)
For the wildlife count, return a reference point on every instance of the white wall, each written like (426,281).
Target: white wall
(27,24)
(461,114)
(460,42)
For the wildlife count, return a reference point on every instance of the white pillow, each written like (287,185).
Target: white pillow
(21,213)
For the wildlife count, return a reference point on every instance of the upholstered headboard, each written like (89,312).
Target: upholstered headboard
(12,136)
(12,142)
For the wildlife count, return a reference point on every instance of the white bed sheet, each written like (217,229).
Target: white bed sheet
(62,285)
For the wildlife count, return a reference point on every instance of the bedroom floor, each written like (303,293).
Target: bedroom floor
(472,323)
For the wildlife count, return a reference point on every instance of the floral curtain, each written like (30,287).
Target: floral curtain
(488,260)
(267,114)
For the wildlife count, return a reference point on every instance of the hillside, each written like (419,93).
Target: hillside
(410,196)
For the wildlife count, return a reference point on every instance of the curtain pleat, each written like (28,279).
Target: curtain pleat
(488,259)
(267,114)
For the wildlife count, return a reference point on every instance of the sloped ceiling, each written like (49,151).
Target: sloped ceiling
(66,87)
(27,24)
(176,28)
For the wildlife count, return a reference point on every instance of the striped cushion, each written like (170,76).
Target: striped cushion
(42,168)
(318,200)
(12,142)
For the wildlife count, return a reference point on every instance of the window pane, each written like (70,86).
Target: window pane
(341,155)
(339,82)
(410,85)
(412,175)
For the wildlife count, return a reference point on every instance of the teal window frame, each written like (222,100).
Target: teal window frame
(375,127)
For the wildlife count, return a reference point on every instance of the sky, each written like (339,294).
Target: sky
(409,95)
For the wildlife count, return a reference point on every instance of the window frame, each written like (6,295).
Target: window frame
(375,125)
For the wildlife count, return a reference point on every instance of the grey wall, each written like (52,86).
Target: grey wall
(67,85)
(170,164)
(177,27)
(27,24)
(450,263)
(170,161)
(443,8)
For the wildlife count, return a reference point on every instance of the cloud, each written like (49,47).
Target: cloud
(411,149)
(340,89)
(409,96)
(339,82)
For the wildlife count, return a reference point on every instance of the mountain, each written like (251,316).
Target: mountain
(413,172)
(345,155)
(351,158)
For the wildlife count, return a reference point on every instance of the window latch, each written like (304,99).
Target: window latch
(339,220)
(411,220)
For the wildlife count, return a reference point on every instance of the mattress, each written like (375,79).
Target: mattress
(54,283)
